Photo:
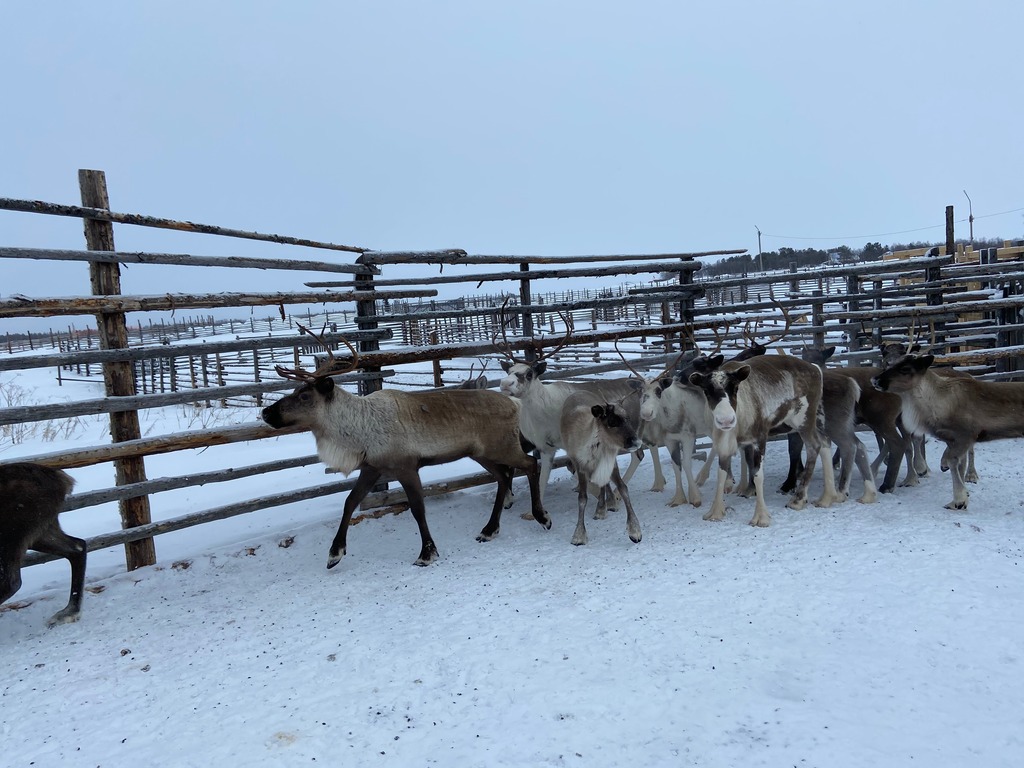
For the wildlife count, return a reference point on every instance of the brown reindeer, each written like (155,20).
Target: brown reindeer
(959,412)
(892,353)
(395,433)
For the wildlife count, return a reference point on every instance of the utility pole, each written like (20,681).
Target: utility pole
(760,260)
(970,216)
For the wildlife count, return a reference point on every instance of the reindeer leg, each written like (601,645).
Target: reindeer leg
(53,541)
(717,511)
(659,476)
(536,505)
(920,456)
(796,464)
(870,495)
(632,523)
(960,494)
(368,477)
(579,536)
(547,458)
(753,456)
(503,475)
(410,481)
(10,577)
(971,476)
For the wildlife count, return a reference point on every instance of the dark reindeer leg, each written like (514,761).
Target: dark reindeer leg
(632,523)
(796,463)
(410,480)
(503,475)
(53,541)
(10,571)
(532,471)
(368,476)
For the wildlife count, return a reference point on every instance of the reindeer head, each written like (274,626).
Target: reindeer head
(307,404)
(720,387)
(904,375)
(523,372)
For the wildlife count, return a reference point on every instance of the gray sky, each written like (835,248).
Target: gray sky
(526,127)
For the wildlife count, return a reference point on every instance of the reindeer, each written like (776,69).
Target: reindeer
(31,497)
(892,353)
(395,433)
(593,433)
(960,412)
(542,402)
(752,399)
(880,411)
(840,395)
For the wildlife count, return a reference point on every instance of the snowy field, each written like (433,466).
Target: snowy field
(886,634)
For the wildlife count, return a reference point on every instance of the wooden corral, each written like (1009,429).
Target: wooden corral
(388,305)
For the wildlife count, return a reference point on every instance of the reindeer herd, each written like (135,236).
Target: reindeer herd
(738,404)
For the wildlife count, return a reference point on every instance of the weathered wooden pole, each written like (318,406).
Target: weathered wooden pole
(366,312)
(117,377)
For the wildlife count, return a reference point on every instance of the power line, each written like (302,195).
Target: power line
(889,234)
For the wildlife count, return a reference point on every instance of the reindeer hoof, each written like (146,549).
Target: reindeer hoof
(66,616)
(957,505)
(334,558)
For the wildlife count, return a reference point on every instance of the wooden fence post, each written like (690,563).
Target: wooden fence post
(365,312)
(117,377)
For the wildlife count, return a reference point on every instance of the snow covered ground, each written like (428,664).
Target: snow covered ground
(887,634)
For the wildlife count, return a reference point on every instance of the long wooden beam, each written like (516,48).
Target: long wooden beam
(185,260)
(461,257)
(21,306)
(102,214)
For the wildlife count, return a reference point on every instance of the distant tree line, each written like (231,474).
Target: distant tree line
(814,257)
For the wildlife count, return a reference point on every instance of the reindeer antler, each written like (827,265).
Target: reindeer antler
(307,377)
(539,354)
(749,337)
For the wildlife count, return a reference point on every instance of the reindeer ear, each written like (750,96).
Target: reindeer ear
(324,385)
(540,367)
(697,379)
(636,385)
(506,365)
(715,361)
(914,349)
(597,410)
(741,373)
(829,351)
(921,363)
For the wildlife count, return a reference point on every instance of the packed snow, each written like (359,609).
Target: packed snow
(884,634)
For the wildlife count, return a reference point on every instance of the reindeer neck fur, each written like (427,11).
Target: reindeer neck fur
(355,429)
(597,457)
(541,407)
(923,405)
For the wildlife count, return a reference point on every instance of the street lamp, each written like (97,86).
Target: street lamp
(970,216)
(760,260)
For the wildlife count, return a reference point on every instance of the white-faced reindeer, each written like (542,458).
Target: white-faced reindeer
(959,412)
(674,414)
(31,498)
(395,433)
(761,396)
(542,401)
(593,434)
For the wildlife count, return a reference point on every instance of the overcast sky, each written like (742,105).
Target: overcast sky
(525,127)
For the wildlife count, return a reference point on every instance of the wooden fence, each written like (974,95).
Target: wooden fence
(387,306)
